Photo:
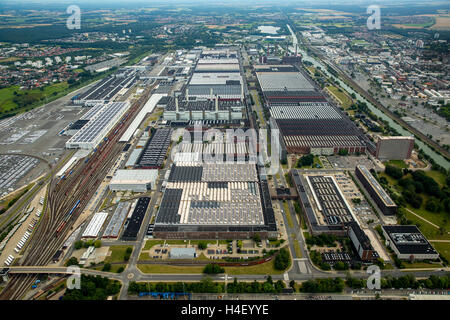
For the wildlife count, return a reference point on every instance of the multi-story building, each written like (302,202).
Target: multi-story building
(376,191)
(394,148)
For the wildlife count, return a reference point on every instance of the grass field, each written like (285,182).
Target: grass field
(344,99)
(316,162)
(439,219)
(196,242)
(144,256)
(117,253)
(438,176)
(288,214)
(114,268)
(294,240)
(177,242)
(161,268)
(397,163)
(263,268)
(443,248)
(7,96)
(151,243)
(421,265)
(427,229)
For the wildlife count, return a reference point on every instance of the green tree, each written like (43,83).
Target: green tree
(78,245)
(257,237)
(202,245)
(306,160)
(393,171)
(213,268)
(282,260)
(72,262)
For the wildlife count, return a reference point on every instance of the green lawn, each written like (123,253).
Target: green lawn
(7,96)
(439,219)
(288,214)
(317,162)
(434,217)
(429,231)
(263,268)
(117,253)
(162,268)
(260,269)
(296,245)
(421,265)
(114,268)
(178,242)
(438,176)
(151,243)
(196,242)
(144,256)
(443,248)
(397,163)
(390,180)
(345,100)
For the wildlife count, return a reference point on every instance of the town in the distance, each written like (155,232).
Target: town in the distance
(257,151)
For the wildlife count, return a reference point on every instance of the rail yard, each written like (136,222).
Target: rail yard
(67,196)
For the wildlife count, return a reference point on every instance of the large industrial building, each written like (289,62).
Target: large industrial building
(394,148)
(134,180)
(95,225)
(217,73)
(133,224)
(325,207)
(286,85)
(215,201)
(409,243)
(117,220)
(107,89)
(211,108)
(92,133)
(308,123)
(376,191)
(154,152)
(214,92)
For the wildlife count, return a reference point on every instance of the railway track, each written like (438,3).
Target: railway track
(67,197)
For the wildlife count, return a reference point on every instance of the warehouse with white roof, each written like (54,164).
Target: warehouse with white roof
(95,225)
(98,127)
(139,180)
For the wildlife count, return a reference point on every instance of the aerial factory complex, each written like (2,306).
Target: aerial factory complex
(190,153)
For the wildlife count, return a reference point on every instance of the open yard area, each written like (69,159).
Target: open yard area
(117,253)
